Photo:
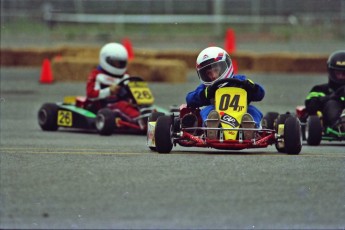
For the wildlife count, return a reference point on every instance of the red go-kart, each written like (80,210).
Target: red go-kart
(166,131)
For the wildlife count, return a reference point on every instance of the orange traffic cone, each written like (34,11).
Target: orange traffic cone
(46,72)
(230,41)
(128,45)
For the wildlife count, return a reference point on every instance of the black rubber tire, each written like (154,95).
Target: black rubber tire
(303,130)
(163,133)
(153,149)
(268,120)
(313,130)
(281,120)
(47,117)
(292,136)
(153,117)
(105,122)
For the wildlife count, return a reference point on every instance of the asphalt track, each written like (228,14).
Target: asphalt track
(79,180)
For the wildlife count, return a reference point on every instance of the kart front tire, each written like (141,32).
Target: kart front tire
(292,136)
(313,130)
(153,117)
(105,122)
(281,120)
(163,134)
(47,117)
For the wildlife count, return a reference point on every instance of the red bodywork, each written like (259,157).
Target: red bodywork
(124,107)
(301,112)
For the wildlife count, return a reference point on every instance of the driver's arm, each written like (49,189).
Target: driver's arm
(197,97)
(94,90)
(257,92)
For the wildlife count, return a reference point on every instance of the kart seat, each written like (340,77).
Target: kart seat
(80,101)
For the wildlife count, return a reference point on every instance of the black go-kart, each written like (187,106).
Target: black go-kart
(75,113)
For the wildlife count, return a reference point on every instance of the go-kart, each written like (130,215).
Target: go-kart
(74,112)
(313,130)
(166,131)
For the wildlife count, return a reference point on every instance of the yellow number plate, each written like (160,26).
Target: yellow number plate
(231,104)
(141,93)
(64,118)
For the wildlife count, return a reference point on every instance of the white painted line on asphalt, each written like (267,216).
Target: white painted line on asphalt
(110,152)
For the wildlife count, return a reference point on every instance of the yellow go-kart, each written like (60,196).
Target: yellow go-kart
(166,131)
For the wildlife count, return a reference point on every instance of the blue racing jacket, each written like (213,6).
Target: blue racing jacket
(197,97)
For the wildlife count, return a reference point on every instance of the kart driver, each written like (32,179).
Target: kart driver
(102,89)
(213,64)
(329,98)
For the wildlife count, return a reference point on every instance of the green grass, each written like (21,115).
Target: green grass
(75,32)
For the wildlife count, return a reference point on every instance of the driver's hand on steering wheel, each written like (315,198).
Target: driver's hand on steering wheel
(249,85)
(114,89)
(209,93)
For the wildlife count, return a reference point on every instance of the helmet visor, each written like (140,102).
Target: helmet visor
(339,74)
(115,62)
(212,72)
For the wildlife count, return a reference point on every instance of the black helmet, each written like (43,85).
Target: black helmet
(336,69)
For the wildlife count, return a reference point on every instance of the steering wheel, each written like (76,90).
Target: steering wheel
(124,91)
(125,81)
(234,82)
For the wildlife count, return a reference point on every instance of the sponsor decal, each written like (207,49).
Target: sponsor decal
(220,56)
(205,56)
(230,120)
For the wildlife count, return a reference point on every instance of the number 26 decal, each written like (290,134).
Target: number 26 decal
(64,118)
(142,94)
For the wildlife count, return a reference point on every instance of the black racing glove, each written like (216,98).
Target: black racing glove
(209,92)
(326,98)
(338,95)
(249,85)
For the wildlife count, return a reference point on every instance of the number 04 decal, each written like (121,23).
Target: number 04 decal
(226,101)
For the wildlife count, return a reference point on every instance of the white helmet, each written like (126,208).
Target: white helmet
(113,58)
(212,64)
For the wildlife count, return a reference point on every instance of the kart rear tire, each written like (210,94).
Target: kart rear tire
(281,120)
(47,117)
(105,122)
(313,130)
(268,120)
(292,136)
(153,117)
(163,134)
